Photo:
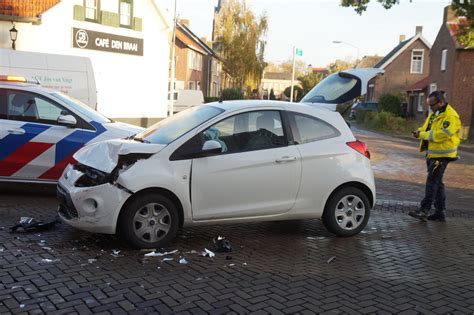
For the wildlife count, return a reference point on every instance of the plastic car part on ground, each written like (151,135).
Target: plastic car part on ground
(158,254)
(207,253)
(30,224)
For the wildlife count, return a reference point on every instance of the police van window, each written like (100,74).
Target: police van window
(308,129)
(30,107)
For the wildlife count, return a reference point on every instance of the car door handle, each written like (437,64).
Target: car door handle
(286,159)
(16,131)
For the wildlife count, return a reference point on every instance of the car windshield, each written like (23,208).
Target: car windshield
(170,129)
(331,89)
(82,108)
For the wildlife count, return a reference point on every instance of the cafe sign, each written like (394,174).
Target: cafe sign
(87,39)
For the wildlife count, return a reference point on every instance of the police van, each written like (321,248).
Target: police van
(41,129)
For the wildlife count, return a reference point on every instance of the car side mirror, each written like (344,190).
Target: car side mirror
(211,147)
(67,120)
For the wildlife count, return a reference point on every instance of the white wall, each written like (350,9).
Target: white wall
(127,86)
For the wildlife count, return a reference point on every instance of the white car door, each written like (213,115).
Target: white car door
(257,174)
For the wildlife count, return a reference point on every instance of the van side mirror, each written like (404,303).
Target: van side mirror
(67,120)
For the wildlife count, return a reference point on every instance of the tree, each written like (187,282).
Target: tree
(462,8)
(300,67)
(339,65)
(241,43)
(297,93)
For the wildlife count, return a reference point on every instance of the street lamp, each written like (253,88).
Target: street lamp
(13,36)
(349,44)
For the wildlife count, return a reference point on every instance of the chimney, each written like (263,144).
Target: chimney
(401,39)
(448,14)
(418,30)
(184,22)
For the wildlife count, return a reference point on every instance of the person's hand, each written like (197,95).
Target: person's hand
(416,134)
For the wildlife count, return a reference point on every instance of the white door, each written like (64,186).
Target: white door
(258,174)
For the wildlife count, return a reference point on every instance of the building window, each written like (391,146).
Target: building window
(92,9)
(444,55)
(191,85)
(194,60)
(371,92)
(417,61)
(419,104)
(125,11)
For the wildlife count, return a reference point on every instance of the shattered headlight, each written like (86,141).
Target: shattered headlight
(91,176)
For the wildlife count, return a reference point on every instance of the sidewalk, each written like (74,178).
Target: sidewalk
(464,147)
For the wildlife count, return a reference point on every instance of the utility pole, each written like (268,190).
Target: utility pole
(299,52)
(292,75)
(173,63)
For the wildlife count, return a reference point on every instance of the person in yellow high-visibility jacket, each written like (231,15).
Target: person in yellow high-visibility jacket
(439,138)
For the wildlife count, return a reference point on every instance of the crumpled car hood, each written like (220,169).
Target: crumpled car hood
(104,155)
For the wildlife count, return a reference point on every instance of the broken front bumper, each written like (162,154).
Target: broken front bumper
(94,209)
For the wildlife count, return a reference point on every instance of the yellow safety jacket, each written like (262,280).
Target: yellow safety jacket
(443,138)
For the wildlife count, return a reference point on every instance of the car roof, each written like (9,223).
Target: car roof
(247,104)
(28,86)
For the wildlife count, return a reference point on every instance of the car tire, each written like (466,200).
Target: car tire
(149,221)
(347,212)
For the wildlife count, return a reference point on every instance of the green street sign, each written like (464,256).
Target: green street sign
(299,52)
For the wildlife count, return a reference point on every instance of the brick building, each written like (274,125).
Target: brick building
(405,65)
(197,65)
(452,70)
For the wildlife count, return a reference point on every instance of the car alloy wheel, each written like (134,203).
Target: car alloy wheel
(347,211)
(152,222)
(149,220)
(350,212)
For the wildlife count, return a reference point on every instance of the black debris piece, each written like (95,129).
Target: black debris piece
(222,245)
(30,224)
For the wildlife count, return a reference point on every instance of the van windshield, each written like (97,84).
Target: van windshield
(82,108)
(170,129)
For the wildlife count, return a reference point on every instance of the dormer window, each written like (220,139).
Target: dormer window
(417,61)
(126,13)
(91,10)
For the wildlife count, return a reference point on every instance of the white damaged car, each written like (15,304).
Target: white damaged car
(228,162)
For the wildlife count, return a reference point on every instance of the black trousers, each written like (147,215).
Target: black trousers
(434,189)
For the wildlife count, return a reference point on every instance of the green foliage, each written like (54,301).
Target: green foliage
(361,115)
(240,42)
(361,5)
(390,103)
(232,94)
(299,92)
(462,8)
(210,99)
(308,81)
(344,108)
(272,95)
(386,121)
(339,65)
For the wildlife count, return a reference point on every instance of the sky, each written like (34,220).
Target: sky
(313,25)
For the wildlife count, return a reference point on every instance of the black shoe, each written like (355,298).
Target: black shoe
(439,215)
(418,214)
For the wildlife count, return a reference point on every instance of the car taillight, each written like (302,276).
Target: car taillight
(360,147)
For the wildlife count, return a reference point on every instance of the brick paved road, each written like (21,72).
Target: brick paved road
(397,265)
(400,172)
